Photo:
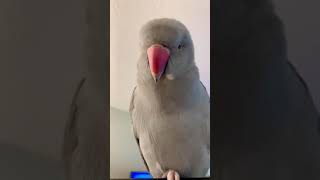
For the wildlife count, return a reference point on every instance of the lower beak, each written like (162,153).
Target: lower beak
(158,57)
(156,77)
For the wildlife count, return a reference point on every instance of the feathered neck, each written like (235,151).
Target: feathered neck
(168,93)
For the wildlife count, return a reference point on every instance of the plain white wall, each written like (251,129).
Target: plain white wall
(126,19)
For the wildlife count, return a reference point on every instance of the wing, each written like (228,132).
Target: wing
(207,127)
(205,89)
(131,108)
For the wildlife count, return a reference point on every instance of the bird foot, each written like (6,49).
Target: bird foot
(171,175)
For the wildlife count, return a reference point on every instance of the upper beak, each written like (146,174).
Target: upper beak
(158,57)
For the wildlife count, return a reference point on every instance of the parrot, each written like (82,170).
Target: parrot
(266,125)
(170,107)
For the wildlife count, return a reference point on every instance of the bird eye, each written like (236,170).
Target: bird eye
(180,46)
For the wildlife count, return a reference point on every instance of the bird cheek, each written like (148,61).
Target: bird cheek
(170,76)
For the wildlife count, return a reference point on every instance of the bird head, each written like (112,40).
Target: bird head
(167,50)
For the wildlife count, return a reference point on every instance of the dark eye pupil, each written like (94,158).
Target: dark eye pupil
(180,46)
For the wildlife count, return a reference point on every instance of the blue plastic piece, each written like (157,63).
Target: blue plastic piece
(140,175)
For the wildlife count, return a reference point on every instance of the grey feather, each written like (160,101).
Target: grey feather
(171,118)
(134,132)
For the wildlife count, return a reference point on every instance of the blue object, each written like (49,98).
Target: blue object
(140,175)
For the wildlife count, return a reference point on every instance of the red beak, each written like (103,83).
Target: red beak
(158,57)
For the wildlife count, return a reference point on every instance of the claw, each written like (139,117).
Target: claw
(171,175)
